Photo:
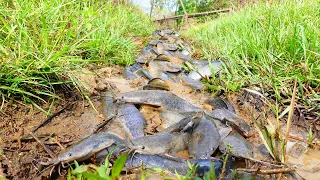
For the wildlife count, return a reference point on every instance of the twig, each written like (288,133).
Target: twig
(51,117)
(305,141)
(288,125)
(267,171)
(224,164)
(99,126)
(30,138)
(51,154)
(264,162)
(185,12)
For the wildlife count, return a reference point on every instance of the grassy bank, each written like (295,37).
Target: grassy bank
(41,42)
(269,44)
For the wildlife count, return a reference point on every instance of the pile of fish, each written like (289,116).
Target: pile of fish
(199,133)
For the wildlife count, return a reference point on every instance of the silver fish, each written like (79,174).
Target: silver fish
(161,143)
(85,148)
(173,164)
(205,70)
(204,140)
(240,147)
(132,120)
(164,99)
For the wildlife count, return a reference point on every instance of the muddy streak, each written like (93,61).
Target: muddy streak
(307,163)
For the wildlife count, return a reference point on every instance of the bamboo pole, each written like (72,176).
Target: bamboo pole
(195,14)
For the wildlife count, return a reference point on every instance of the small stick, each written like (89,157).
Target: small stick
(264,162)
(51,117)
(224,164)
(99,126)
(43,145)
(267,171)
(305,141)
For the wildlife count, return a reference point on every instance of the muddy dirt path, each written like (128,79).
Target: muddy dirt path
(18,158)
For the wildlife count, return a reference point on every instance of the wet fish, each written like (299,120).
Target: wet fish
(230,119)
(194,84)
(240,147)
(220,103)
(108,105)
(85,148)
(205,70)
(145,73)
(168,76)
(115,150)
(182,55)
(157,84)
(178,126)
(132,120)
(164,99)
(142,59)
(173,164)
(161,143)
(129,71)
(169,118)
(154,42)
(199,63)
(205,139)
(167,66)
(169,46)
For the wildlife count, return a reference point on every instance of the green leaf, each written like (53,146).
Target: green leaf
(80,169)
(118,165)
(91,176)
(102,171)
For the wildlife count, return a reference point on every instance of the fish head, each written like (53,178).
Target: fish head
(72,155)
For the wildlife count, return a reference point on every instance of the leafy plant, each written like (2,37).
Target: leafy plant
(43,43)
(103,172)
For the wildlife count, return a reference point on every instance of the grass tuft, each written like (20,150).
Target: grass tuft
(268,43)
(41,42)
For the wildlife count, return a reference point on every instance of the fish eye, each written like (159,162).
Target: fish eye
(142,147)
(69,154)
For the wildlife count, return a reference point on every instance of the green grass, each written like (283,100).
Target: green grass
(269,44)
(43,42)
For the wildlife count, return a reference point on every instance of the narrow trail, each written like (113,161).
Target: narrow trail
(161,59)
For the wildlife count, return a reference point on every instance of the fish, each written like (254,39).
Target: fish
(160,143)
(157,84)
(145,73)
(178,126)
(204,140)
(108,105)
(173,164)
(84,149)
(164,99)
(205,70)
(220,103)
(240,147)
(230,119)
(184,55)
(115,150)
(131,119)
(194,84)
(129,71)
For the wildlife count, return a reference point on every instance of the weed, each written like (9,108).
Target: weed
(268,43)
(92,172)
(42,43)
